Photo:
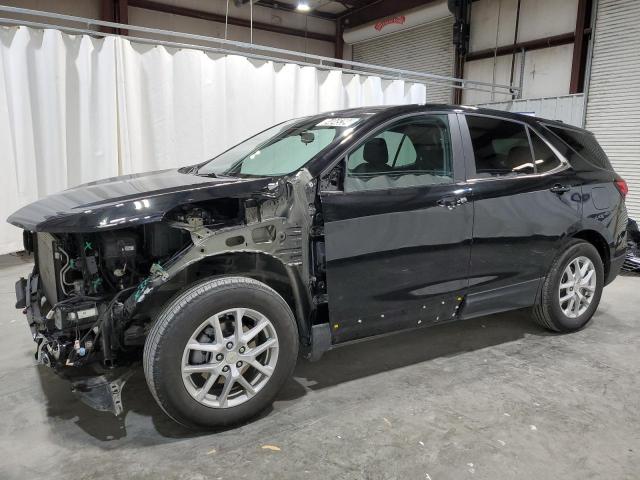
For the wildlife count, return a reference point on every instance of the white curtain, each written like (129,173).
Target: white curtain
(58,117)
(76,108)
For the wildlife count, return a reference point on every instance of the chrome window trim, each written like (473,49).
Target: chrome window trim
(564,163)
(380,128)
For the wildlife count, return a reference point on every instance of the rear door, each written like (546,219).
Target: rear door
(398,233)
(527,200)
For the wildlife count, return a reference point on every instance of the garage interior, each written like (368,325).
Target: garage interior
(91,89)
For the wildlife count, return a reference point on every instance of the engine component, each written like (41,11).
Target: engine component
(75,315)
(49,265)
(118,254)
(120,245)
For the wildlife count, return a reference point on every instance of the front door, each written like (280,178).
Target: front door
(398,235)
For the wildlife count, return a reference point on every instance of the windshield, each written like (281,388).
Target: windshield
(281,149)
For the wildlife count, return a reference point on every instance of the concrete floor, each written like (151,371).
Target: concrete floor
(490,398)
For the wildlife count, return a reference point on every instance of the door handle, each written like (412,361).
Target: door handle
(451,202)
(557,188)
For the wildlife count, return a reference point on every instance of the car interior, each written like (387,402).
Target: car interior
(409,154)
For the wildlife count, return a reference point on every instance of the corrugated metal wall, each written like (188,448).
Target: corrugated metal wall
(427,49)
(567,108)
(613,103)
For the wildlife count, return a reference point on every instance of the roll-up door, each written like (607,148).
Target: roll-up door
(428,49)
(613,104)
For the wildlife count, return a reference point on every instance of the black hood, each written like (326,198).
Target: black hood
(127,200)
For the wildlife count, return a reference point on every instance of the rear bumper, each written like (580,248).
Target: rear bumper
(614,269)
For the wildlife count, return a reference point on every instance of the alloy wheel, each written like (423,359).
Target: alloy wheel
(230,358)
(577,287)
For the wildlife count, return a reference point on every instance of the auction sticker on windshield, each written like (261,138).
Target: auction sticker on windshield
(337,122)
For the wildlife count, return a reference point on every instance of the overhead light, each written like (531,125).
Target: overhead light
(303,6)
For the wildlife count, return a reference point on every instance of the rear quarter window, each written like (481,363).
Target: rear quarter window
(583,147)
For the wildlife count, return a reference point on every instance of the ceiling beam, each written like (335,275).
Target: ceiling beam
(546,42)
(375,10)
(240,22)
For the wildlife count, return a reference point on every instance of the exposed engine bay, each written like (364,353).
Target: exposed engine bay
(85,287)
(85,280)
(92,297)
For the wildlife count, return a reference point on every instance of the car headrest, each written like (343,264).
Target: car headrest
(376,152)
(518,156)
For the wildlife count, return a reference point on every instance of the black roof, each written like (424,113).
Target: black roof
(393,110)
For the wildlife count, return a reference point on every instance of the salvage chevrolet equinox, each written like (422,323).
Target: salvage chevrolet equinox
(316,232)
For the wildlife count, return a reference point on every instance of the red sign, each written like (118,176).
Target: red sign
(400,19)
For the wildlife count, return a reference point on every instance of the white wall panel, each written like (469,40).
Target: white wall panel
(566,108)
(545,18)
(491,18)
(493,21)
(547,72)
(483,71)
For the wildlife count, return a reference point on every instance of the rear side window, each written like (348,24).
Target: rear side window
(583,147)
(501,147)
(543,157)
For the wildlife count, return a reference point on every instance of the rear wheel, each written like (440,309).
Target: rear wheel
(220,352)
(572,289)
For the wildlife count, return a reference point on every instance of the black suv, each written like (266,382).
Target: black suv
(310,234)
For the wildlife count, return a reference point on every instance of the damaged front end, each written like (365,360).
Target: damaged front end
(93,294)
(76,303)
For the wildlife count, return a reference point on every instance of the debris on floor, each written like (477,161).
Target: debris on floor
(273,448)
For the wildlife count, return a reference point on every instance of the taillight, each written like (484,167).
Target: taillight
(622,187)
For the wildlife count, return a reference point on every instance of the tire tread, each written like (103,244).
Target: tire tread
(174,306)
(541,311)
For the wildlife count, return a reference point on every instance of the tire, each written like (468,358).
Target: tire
(166,356)
(549,312)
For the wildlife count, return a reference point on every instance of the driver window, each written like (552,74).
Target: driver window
(411,153)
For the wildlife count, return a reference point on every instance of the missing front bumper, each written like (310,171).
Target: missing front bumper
(103,392)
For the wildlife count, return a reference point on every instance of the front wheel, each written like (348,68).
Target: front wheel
(220,352)
(572,289)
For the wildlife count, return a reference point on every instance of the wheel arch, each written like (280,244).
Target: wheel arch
(600,243)
(268,269)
